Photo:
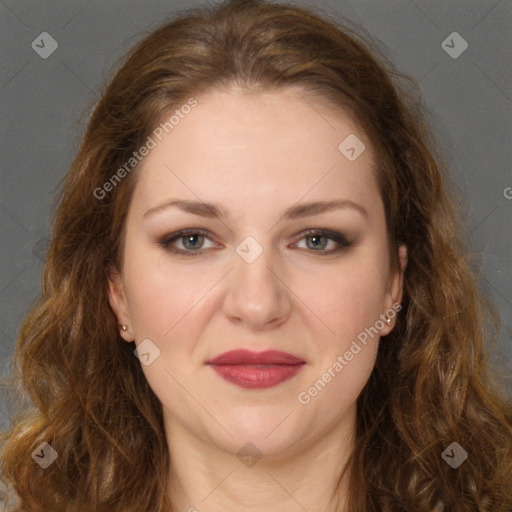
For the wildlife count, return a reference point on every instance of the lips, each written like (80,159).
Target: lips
(252,358)
(256,370)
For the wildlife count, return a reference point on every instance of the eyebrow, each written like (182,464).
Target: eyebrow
(212,210)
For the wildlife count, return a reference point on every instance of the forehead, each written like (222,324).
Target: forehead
(235,146)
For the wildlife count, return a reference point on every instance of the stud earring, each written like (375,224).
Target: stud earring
(124,327)
(388,321)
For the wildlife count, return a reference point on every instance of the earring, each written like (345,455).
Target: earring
(124,327)
(388,321)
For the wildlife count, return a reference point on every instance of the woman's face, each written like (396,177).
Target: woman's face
(253,279)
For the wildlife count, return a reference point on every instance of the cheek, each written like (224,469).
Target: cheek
(346,352)
(341,384)
(349,301)
(349,298)
(161,295)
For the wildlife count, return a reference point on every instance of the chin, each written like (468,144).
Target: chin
(270,435)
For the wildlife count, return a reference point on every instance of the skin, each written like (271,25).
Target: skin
(255,155)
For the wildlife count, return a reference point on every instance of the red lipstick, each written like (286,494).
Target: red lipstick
(256,370)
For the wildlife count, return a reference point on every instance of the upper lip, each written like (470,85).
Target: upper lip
(250,357)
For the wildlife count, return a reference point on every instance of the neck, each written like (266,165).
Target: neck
(208,477)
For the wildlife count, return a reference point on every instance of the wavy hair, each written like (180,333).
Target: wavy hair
(432,382)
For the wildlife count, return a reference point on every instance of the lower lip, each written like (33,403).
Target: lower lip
(257,376)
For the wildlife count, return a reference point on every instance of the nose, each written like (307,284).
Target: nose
(258,295)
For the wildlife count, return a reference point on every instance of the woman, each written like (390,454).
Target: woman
(256,297)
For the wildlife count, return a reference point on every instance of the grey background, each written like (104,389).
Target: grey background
(469,99)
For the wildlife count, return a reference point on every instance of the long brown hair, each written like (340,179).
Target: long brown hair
(430,386)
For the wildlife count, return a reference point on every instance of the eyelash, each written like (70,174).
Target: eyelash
(166,242)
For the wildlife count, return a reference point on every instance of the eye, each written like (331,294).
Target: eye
(319,240)
(193,240)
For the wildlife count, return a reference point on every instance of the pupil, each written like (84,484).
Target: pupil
(190,239)
(316,238)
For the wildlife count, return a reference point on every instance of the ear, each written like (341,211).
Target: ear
(118,303)
(396,288)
